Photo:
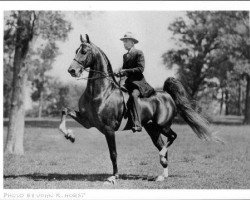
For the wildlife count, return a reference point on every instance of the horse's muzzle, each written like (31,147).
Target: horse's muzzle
(72,72)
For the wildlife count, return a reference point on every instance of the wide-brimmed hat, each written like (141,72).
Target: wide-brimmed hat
(131,36)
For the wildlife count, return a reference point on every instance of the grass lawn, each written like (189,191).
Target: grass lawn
(52,162)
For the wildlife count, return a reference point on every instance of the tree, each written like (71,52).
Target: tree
(242,51)
(199,50)
(24,35)
(40,79)
(60,95)
(237,38)
(7,88)
(9,48)
(28,27)
(213,52)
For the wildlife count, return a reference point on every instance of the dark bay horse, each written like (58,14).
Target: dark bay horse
(102,105)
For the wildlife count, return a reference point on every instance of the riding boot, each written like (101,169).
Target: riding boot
(135,113)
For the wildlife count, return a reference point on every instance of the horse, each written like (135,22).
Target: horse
(103,106)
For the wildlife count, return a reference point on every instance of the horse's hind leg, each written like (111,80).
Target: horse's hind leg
(155,133)
(170,134)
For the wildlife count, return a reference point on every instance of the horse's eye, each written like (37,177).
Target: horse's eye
(77,50)
(83,51)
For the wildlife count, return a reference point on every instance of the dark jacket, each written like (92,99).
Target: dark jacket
(134,64)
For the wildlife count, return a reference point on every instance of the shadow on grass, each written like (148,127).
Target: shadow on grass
(83,177)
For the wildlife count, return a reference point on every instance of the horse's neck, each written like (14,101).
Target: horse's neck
(97,84)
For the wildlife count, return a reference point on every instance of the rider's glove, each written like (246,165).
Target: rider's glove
(121,73)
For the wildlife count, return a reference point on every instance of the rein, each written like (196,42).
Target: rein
(104,75)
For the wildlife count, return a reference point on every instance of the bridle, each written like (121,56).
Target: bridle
(78,62)
(104,74)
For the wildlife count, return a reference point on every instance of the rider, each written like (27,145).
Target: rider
(133,67)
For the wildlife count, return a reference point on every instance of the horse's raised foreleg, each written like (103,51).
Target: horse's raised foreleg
(68,133)
(110,137)
(155,134)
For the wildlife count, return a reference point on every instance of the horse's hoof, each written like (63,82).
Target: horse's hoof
(68,137)
(108,183)
(72,139)
(160,178)
(111,180)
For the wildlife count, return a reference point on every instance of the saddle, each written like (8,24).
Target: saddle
(127,121)
(126,95)
(125,90)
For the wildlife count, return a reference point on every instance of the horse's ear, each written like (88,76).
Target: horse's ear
(87,38)
(81,39)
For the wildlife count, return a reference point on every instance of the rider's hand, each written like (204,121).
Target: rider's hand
(123,72)
(117,74)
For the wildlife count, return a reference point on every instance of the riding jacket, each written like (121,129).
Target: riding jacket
(134,64)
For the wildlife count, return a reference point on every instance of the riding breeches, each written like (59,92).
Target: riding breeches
(135,108)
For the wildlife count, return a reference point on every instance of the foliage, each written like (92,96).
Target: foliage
(61,96)
(58,95)
(212,55)
(8,48)
(22,39)
(199,54)
(48,28)
(237,42)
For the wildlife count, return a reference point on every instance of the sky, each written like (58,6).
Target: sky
(105,30)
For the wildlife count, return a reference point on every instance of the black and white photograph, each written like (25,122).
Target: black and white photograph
(153,99)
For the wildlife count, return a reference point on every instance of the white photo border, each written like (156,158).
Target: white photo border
(12,194)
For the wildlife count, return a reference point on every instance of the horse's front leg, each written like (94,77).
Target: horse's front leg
(68,133)
(110,137)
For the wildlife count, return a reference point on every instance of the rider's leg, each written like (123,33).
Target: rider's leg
(136,110)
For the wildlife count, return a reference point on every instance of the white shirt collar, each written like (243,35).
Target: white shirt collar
(130,49)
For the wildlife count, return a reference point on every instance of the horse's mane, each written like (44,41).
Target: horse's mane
(107,60)
(110,70)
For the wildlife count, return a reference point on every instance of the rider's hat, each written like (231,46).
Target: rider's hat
(131,36)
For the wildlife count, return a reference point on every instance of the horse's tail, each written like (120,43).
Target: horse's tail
(196,121)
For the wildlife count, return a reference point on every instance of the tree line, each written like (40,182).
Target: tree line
(213,59)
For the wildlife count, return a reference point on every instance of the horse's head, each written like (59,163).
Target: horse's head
(83,58)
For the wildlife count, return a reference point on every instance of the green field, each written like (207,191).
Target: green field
(52,162)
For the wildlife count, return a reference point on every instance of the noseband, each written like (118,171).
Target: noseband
(78,62)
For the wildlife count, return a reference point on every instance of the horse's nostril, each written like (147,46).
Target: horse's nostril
(71,71)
